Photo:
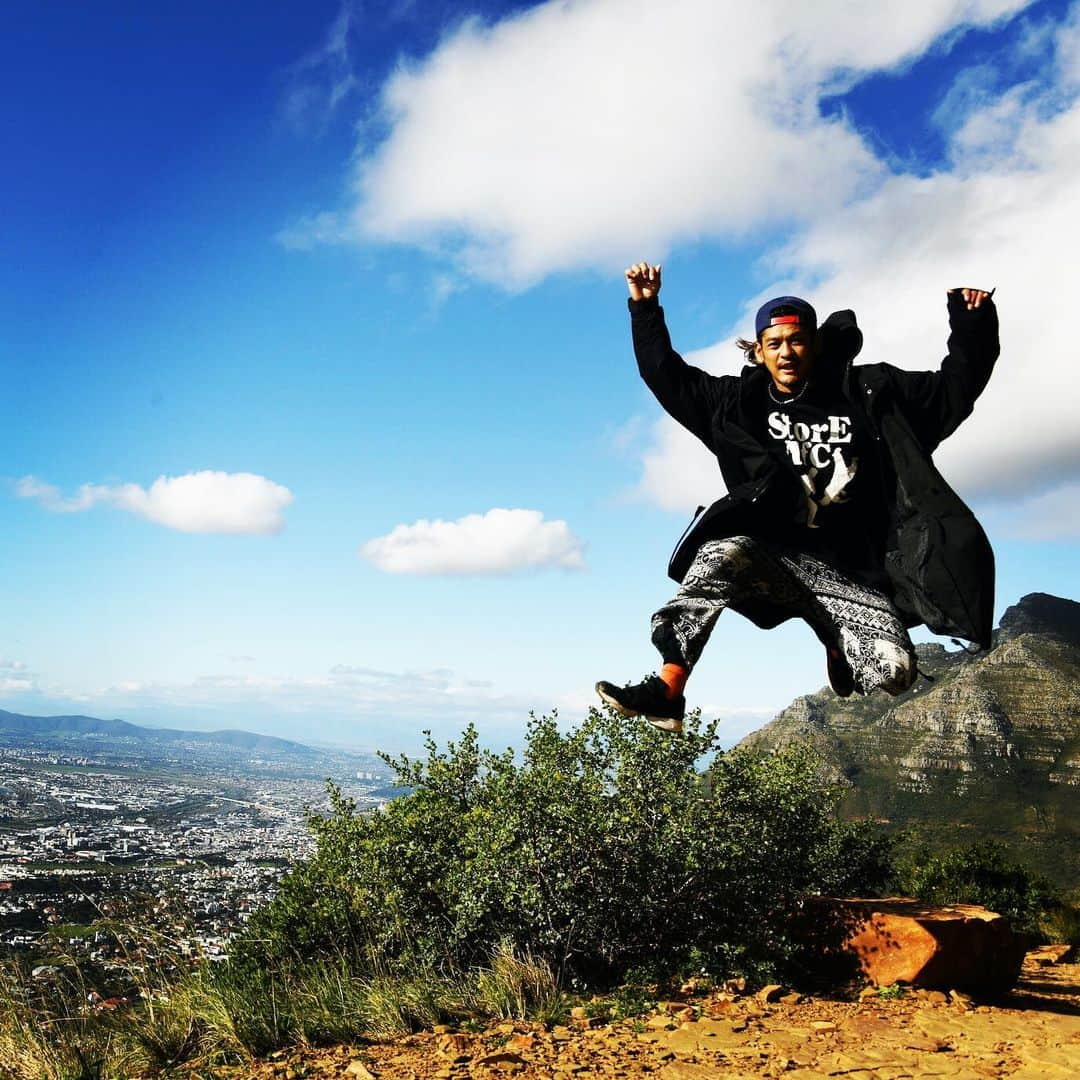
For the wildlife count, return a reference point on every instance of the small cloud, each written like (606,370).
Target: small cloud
(498,542)
(15,677)
(321,79)
(200,502)
(314,230)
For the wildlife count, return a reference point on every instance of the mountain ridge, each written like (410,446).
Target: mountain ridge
(75,724)
(988,743)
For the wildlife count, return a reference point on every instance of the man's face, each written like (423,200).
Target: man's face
(788,352)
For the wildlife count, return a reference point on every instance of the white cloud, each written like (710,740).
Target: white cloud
(498,542)
(200,502)
(14,677)
(357,705)
(325,227)
(1001,216)
(323,78)
(583,133)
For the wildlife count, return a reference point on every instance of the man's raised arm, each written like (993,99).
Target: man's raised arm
(939,401)
(687,393)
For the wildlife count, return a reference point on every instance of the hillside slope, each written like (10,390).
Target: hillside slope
(990,746)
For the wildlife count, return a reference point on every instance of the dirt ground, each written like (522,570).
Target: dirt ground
(1034,1034)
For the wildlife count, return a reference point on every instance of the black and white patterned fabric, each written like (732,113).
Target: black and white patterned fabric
(859,620)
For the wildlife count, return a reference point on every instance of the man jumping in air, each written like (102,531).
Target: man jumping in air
(835,512)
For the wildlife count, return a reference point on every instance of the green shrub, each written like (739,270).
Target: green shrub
(979,874)
(599,849)
(1061,924)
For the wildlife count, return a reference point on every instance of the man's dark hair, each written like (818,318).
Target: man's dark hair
(749,349)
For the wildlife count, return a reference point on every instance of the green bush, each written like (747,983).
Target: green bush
(979,874)
(597,850)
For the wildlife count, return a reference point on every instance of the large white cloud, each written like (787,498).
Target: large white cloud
(582,133)
(498,542)
(200,502)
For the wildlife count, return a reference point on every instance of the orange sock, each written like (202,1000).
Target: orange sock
(675,675)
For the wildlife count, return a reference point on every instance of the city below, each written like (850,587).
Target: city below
(184,836)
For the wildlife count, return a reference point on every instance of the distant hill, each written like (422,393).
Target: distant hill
(989,749)
(18,724)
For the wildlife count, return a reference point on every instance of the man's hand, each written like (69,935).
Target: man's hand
(643,281)
(972,297)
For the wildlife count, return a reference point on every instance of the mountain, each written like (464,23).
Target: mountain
(990,749)
(18,724)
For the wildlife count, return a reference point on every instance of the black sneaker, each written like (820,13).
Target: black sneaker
(649,699)
(839,672)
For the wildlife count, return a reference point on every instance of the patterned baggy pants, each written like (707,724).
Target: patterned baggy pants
(855,618)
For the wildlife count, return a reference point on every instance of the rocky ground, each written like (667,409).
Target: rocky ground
(1033,1034)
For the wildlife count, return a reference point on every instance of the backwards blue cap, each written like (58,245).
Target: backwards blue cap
(783,311)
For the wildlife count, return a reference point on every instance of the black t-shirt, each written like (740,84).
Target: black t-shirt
(830,448)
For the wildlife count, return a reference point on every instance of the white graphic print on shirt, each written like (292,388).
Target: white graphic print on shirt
(822,456)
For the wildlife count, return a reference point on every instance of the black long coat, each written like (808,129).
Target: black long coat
(938,559)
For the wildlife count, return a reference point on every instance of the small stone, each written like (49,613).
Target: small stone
(453,1045)
(791,999)
(358,1069)
(936,997)
(868,992)
(578,1012)
(961,999)
(442,1029)
(769,993)
(504,1061)
(822,1027)
(561,1034)
(660,1022)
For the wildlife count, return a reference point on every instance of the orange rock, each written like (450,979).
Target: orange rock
(503,1061)
(905,941)
(719,1008)
(453,1045)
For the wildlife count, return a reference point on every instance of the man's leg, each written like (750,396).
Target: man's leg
(858,622)
(722,572)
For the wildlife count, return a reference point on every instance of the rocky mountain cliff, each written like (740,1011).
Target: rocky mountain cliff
(991,746)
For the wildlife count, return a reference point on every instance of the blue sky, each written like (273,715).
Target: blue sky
(284,288)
